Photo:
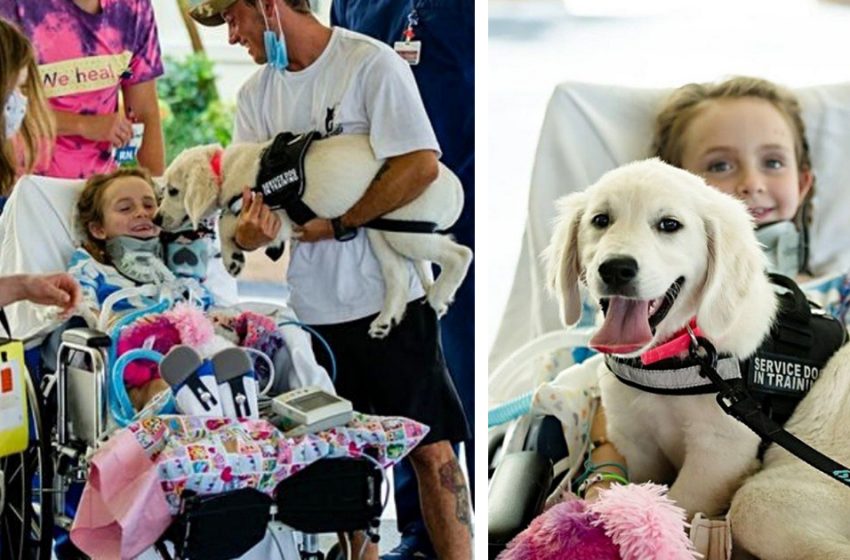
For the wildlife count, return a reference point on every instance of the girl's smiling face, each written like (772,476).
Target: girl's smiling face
(129,206)
(745,147)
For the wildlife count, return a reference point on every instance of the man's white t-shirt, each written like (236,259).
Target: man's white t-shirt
(356,86)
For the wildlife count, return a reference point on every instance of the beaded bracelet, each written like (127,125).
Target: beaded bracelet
(597,478)
(590,467)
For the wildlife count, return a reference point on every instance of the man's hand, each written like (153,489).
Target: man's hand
(114,128)
(60,290)
(258,225)
(316,229)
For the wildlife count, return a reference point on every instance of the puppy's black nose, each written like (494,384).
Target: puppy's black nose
(157,220)
(616,272)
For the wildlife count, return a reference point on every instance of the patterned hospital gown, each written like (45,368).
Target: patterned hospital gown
(84,60)
(98,281)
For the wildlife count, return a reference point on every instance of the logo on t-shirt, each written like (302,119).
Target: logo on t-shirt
(332,129)
(83,75)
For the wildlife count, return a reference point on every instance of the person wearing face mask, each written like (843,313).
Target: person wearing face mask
(437,38)
(89,52)
(336,81)
(25,122)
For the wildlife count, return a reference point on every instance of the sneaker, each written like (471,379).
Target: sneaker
(411,546)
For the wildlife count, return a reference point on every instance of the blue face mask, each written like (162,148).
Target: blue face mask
(14,112)
(275,44)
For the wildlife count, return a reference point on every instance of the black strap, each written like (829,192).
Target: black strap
(736,401)
(5,323)
(404,226)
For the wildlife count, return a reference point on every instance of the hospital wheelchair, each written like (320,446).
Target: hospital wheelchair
(589,129)
(76,400)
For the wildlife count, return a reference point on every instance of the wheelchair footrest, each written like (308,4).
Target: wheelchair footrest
(518,490)
(331,495)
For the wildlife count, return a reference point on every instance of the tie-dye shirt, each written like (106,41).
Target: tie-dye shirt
(84,59)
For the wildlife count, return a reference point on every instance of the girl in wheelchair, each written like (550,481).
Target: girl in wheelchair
(745,137)
(123,250)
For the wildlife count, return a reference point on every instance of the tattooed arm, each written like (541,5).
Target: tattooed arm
(400,180)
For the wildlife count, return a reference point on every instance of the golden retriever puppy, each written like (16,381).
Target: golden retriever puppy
(337,171)
(658,248)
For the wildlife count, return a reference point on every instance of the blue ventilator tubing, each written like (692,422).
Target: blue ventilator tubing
(119,404)
(510,410)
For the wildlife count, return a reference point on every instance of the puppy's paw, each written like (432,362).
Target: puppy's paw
(234,263)
(380,327)
(439,300)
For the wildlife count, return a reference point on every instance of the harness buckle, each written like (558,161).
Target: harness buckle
(702,351)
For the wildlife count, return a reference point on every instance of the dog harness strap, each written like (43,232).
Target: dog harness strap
(734,398)
(789,361)
(281,177)
(403,226)
(673,380)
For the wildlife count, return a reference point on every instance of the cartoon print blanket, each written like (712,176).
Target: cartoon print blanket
(136,480)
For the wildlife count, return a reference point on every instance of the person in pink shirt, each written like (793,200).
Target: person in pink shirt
(88,51)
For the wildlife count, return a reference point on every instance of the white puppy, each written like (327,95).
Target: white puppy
(789,510)
(338,171)
(658,247)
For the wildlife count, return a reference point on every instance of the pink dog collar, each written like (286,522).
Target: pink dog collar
(672,347)
(215,165)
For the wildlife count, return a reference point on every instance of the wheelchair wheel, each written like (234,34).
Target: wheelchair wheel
(26,520)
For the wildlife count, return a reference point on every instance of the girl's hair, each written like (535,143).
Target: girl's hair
(90,205)
(16,53)
(686,102)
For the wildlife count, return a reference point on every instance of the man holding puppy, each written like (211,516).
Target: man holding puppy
(340,82)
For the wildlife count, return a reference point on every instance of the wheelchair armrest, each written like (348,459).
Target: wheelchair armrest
(495,439)
(546,436)
(518,490)
(89,338)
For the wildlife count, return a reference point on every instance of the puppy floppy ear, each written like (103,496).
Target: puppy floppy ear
(202,186)
(735,281)
(563,266)
(159,186)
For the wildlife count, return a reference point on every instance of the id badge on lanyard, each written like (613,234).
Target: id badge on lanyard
(409,49)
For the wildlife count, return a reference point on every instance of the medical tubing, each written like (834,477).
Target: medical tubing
(324,342)
(510,410)
(121,409)
(260,355)
(120,403)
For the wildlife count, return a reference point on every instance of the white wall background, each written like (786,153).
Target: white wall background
(535,44)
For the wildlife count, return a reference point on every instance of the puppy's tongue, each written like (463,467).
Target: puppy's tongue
(626,327)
